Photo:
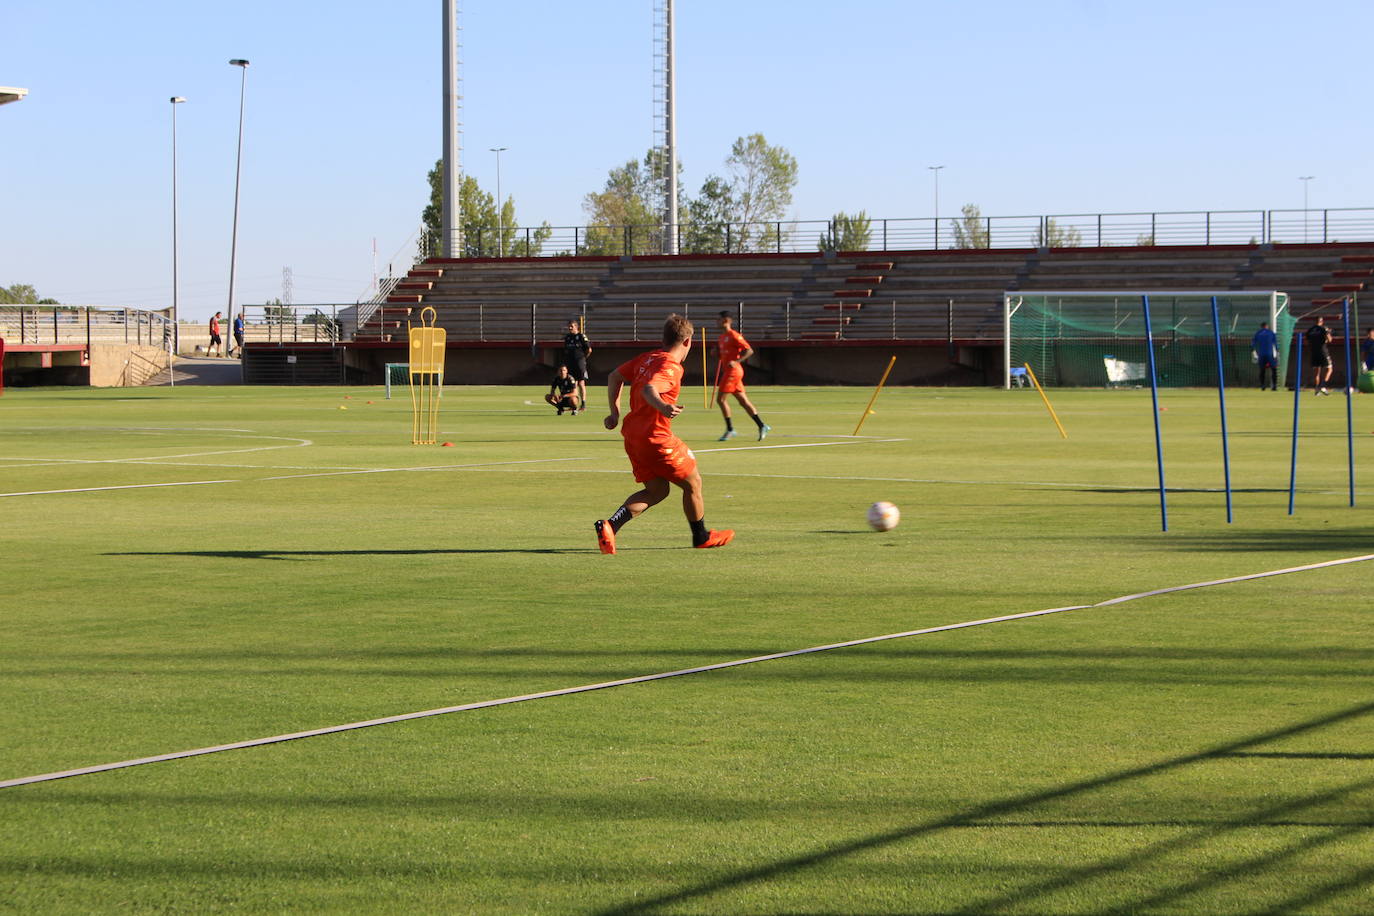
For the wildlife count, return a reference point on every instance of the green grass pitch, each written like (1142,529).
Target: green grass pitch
(1205,751)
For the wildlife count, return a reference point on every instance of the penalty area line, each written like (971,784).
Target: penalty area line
(645,678)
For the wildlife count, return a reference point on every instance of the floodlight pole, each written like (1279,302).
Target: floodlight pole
(936,170)
(500,208)
(451,218)
(176,327)
(238,175)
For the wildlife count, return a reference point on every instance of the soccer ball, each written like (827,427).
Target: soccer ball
(883,516)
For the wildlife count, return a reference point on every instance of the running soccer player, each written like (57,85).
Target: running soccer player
(657,457)
(734,350)
(576,349)
(1319,350)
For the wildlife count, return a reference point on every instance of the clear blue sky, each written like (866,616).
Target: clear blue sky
(1064,106)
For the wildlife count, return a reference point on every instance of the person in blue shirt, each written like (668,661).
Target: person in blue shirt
(1265,346)
(1367,350)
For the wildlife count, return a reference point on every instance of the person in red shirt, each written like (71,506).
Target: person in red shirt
(657,457)
(215,340)
(734,350)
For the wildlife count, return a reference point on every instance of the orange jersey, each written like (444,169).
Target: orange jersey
(657,368)
(731,345)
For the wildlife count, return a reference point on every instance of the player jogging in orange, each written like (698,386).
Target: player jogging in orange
(657,457)
(734,350)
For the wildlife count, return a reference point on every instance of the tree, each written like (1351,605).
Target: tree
(1052,235)
(738,213)
(622,216)
(972,230)
(484,235)
(706,218)
(847,233)
(762,179)
(23,294)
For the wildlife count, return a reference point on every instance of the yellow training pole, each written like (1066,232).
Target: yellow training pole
(1054,416)
(881,382)
(705,389)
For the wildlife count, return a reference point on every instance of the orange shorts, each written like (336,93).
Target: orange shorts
(670,459)
(732,380)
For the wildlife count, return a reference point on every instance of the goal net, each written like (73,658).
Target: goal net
(1097,339)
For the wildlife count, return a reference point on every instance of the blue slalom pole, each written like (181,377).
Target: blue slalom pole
(1350,374)
(1297,399)
(1154,400)
(1221,395)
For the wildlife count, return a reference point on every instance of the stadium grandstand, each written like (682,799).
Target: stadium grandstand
(814,317)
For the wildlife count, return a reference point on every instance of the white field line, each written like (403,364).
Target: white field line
(644,678)
(497,464)
(58,462)
(758,448)
(127,486)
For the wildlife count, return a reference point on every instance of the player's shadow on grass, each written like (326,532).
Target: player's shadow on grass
(1274,860)
(384,552)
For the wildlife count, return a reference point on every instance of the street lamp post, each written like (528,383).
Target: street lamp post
(500,208)
(1304,179)
(936,170)
(176,328)
(238,174)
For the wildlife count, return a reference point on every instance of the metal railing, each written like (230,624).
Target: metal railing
(544,323)
(288,324)
(83,324)
(1173,227)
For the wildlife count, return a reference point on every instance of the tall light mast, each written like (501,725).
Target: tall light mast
(452,216)
(665,122)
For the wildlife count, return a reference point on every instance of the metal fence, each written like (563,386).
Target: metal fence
(539,323)
(289,324)
(83,324)
(1178,227)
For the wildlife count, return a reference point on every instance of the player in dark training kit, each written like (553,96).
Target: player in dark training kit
(576,349)
(1319,353)
(561,391)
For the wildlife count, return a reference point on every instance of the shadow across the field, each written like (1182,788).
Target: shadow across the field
(381,552)
(1301,537)
(991,815)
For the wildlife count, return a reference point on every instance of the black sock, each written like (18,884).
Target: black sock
(729,424)
(755,418)
(619,518)
(699,532)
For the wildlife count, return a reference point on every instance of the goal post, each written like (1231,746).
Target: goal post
(1094,338)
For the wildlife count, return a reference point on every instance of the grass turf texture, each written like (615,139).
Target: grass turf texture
(1208,751)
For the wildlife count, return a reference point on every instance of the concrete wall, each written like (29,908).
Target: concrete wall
(824,363)
(115,365)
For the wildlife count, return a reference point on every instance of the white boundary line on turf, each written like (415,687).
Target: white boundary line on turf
(127,486)
(644,678)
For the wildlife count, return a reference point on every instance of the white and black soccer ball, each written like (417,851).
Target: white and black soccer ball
(883,516)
